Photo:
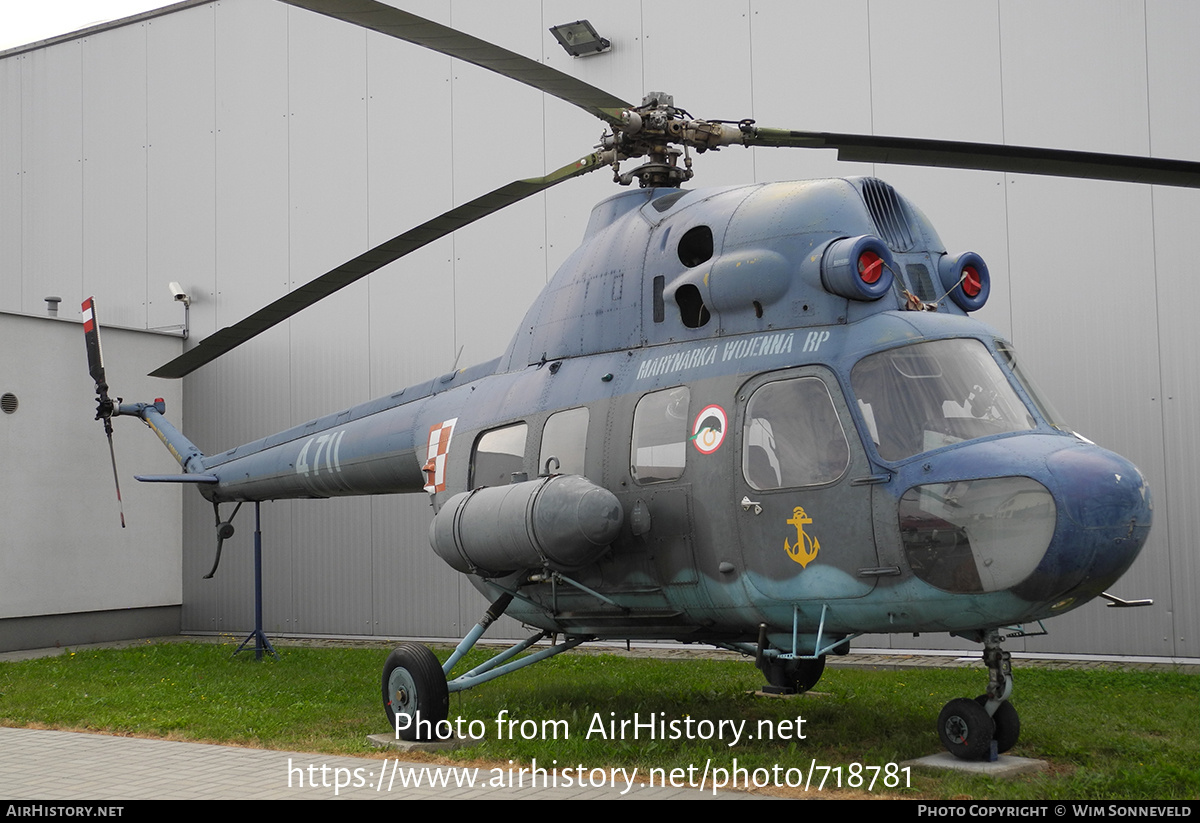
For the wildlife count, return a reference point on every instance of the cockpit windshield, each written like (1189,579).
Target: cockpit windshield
(928,395)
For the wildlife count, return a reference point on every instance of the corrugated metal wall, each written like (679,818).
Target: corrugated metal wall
(242,147)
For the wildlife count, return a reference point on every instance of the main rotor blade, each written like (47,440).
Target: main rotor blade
(912,151)
(389,251)
(405,26)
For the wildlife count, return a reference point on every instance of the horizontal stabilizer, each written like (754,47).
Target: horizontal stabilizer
(177,478)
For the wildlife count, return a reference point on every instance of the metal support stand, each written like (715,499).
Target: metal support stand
(258,636)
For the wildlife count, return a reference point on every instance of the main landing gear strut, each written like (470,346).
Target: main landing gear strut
(416,694)
(969,728)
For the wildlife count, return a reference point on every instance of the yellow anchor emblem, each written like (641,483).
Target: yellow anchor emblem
(806,547)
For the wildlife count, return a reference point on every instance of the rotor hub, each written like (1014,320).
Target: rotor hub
(663,133)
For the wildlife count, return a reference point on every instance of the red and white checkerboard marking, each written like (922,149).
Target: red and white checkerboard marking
(439,447)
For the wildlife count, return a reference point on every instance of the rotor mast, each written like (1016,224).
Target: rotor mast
(653,129)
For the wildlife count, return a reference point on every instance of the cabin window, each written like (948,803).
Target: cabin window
(498,454)
(660,433)
(793,436)
(928,395)
(564,439)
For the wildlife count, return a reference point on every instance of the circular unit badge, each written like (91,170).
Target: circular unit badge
(708,432)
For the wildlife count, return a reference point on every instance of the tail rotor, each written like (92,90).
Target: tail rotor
(105,407)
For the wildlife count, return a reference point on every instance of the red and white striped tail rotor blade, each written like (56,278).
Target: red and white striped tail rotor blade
(104,404)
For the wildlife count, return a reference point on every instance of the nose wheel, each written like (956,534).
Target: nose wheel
(968,728)
(1008,724)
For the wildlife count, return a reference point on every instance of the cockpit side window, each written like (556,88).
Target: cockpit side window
(1031,387)
(498,454)
(793,436)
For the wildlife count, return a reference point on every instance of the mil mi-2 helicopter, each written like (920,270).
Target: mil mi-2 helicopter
(757,417)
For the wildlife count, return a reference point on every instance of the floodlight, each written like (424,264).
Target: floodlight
(580,39)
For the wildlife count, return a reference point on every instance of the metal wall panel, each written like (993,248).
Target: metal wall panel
(410,303)
(1174,75)
(415,593)
(1056,93)
(10,184)
(500,263)
(243,396)
(63,550)
(809,72)
(1177,527)
(327,182)
(1074,75)
(411,300)
(181,161)
(114,171)
(252,160)
(331,567)
(52,175)
(1173,68)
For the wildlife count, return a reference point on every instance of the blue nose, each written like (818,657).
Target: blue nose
(1105,512)
(1051,519)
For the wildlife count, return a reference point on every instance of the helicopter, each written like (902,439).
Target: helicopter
(758,417)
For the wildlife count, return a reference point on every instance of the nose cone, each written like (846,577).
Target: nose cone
(1048,518)
(1105,511)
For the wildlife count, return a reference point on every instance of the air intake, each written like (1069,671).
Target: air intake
(889,213)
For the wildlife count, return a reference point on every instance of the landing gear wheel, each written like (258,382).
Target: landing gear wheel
(1008,724)
(414,689)
(965,729)
(797,675)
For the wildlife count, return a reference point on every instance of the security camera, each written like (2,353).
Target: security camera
(179,294)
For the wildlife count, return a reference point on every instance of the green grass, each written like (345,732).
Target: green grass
(1107,734)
